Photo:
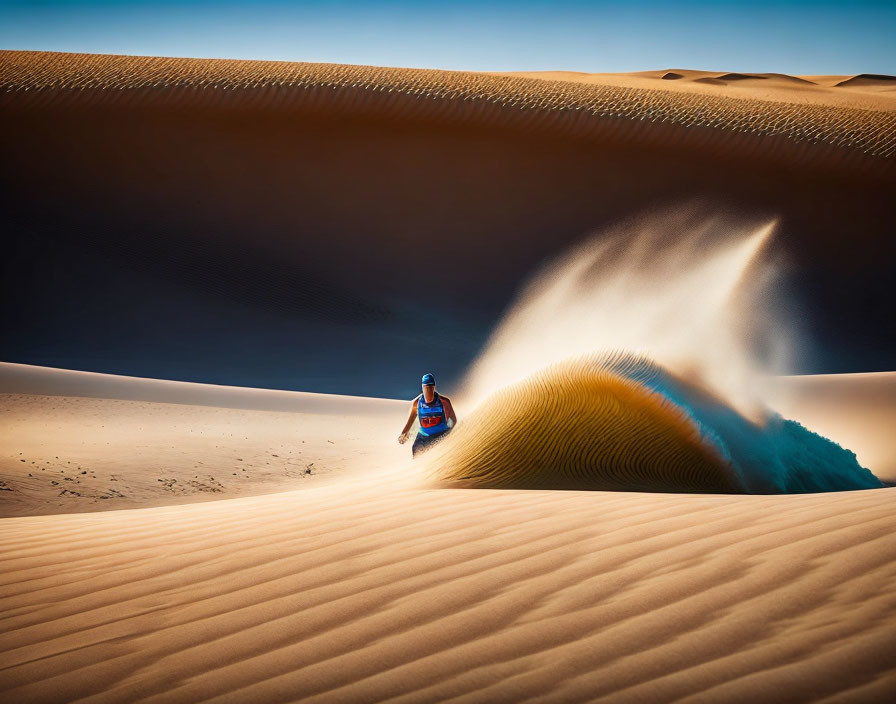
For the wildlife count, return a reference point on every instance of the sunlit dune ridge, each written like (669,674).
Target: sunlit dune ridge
(613,111)
(619,422)
(579,425)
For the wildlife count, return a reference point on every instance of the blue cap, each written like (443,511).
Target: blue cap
(428,379)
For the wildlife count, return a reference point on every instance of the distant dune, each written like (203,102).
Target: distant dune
(864,91)
(186,199)
(870,80)
(35,77)
(45,381)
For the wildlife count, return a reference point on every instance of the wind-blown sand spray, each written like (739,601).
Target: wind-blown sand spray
(640,361)
(688,292)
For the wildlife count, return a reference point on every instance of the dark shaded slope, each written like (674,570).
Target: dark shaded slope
(342,236)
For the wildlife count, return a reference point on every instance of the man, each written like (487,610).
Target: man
(433,411)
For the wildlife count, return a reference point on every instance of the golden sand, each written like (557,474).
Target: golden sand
(361,594)
(579,425)
(77,441)
(373,587)
(603,109)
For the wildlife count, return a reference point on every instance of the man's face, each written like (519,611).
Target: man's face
(429,391)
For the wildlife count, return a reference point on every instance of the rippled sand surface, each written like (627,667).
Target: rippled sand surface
(375,594)
(229,573)
(374,588)
(609,108)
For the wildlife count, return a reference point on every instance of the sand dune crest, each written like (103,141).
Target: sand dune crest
(38,79)
(580,426)
(869,79)
(619,422)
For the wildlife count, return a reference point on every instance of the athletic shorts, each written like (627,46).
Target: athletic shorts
(424,442)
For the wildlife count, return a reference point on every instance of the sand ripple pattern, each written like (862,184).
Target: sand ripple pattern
(795,133)
(582,424)
(350,595)
(617,421)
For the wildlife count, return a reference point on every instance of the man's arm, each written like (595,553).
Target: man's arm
(449,410)
(407,426)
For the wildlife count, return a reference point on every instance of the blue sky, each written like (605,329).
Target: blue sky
(789,37)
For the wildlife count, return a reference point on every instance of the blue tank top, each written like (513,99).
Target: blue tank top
(431,416)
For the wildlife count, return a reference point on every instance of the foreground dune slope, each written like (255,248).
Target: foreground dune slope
(356,593)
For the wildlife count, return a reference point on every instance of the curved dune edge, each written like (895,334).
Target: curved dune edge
(618,422)
(580,425)
(781,132)
(868,79)
(334,596)
(848,91)
(858,410)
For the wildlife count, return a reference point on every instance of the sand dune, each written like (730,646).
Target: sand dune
(46,381)
(869,80)
(620,422)
(580,425)
(75,441)
(422,596)
(37,78)
(273,212)
(863,91)
(858,410)
(374,587)
(186,199)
